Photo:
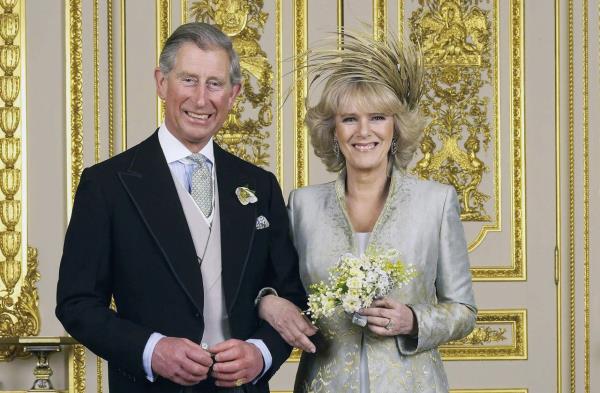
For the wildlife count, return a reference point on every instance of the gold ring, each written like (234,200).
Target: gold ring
(239,382)
(389,325)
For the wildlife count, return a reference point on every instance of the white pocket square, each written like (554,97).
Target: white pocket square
(262,222)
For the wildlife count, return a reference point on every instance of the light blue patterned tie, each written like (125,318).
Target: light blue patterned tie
(202,185)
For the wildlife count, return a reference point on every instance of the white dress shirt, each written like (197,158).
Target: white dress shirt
(181,168)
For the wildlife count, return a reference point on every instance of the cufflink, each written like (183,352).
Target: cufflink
(262,222)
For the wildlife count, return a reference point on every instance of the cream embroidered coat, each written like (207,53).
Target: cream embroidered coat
(420,219)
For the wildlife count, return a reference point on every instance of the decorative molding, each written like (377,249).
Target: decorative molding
(586,200)
(110,71)
(301,84)
(25,311)
(74,104)
(340,21)
(123,72)
(74,115)
(184,12)
(77,369)
(518,269)
(380,19)
(279,109)
(558,194)
(400,19)
(572,311)
(96,81)
(480,344)
(163,29)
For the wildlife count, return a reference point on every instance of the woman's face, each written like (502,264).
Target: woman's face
(364,138)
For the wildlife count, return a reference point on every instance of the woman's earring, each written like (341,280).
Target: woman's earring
(336,147)
(394,148)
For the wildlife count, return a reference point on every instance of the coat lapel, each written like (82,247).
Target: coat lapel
(150,185)
(238,223)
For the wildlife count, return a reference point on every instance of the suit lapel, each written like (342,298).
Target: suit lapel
(150,185)
(238,223)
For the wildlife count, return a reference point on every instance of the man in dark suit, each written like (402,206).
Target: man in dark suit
(184,236)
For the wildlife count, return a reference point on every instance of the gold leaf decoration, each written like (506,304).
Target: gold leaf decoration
(19,308)
(243,22)
(21,318)
(481,336)
(455,37)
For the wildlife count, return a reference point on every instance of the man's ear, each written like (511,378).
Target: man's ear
(161,83)
(235,91)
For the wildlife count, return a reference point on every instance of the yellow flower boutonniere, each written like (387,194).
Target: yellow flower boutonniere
(245,195)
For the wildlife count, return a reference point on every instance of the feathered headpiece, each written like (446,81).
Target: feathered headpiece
(359,57)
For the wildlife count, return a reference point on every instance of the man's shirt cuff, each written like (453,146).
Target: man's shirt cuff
(147,355)
(267,358)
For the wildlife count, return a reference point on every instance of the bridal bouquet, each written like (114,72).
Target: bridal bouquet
(354,282)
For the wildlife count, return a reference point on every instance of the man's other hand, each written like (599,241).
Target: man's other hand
(236,363)
(180,360)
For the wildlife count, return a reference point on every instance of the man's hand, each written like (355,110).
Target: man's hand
(180,360)
(236,362)
(293,326)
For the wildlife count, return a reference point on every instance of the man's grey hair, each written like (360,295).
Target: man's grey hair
(206,37)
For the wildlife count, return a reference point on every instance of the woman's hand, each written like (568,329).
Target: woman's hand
(293,326)
(387,317)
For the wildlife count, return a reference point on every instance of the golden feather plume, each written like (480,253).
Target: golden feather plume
(358,57)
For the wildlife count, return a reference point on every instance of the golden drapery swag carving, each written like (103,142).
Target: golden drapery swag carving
(19,312)
(243,22)
(455,38)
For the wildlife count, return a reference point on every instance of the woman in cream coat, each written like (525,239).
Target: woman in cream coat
(366,126)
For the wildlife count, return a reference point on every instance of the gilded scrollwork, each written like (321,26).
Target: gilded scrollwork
(243,21)
(21,318)
(481,336)
(19,312)
(489,338)
(456,40)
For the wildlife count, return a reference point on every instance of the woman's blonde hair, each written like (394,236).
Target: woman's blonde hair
(378,77)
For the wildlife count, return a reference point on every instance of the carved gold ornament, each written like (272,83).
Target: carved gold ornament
(243,21)
(499,335)
(455,37)
(19,313)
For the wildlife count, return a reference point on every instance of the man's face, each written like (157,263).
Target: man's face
(197,93)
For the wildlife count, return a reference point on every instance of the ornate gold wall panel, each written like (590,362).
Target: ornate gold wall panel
(19,310)
(462,139)
(487,341)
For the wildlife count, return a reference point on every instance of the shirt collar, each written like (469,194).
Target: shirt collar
(174,150)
